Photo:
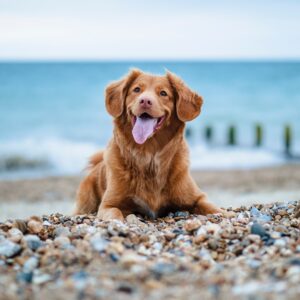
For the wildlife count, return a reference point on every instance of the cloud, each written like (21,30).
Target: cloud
(141,30)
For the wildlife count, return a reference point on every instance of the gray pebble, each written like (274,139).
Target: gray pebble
(30,264)
(259,230)
(8,248)
(33,241)
(163,268)
(99,243)
(62,231)
(181,214)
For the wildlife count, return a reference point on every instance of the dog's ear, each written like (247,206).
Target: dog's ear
(116,92)
(188,103)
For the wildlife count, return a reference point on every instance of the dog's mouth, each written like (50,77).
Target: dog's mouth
(144,126)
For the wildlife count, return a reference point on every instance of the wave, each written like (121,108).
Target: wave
(17,162)
(203,157)
(49,156)
(58,156)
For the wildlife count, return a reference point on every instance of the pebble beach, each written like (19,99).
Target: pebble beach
(255,254)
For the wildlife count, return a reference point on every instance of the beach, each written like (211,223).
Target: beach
(226,188)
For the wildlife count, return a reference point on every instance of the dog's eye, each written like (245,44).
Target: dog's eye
(137,89)
(163,93)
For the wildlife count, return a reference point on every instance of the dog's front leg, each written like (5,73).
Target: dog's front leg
(187,195)
(110,207)
(204,207)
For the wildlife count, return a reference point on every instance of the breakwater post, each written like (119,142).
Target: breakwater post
(231,138)
(258,135)
(287,140)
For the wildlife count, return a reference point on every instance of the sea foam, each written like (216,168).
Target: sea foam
(59,156)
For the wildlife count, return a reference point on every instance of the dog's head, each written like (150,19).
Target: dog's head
(151,103)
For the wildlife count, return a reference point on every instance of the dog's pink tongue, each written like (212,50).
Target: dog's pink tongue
(143,128)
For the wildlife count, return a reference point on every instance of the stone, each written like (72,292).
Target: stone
(163,268)
(192,225)
(99,243)
(30,264)
(35,225)
(15,235)
(213,244)
(33,241)
(254,263)
(40,278)
(62,242)
(199,239)
(24,277)
(132,219)
(20,224)
(258,230)
(9,248)
(62,231)
(130,258)
(280,243)
(254,238)
(181,214)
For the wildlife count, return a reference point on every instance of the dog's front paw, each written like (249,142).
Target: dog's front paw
(108,214)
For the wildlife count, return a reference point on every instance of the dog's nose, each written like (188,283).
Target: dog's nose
(145,103)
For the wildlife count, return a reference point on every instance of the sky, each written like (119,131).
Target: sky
(149,30)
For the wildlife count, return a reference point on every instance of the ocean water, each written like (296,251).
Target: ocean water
(52,115)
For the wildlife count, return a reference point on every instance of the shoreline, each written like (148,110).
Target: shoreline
(226,188)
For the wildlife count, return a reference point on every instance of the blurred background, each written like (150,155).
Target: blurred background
(56,57)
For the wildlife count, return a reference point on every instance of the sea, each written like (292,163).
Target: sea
(52,114)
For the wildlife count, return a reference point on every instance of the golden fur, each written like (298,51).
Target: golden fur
(151,178)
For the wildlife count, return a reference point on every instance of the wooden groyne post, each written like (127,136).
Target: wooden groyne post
(258,135)
(208,133)
(287,140)
(231,138)
(188,132)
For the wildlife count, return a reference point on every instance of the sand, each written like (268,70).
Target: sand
(23,198)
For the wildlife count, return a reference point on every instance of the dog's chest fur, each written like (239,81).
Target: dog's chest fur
(148,177)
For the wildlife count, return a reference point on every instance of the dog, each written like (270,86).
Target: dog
(145,167)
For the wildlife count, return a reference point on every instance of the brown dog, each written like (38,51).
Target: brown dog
(145,168)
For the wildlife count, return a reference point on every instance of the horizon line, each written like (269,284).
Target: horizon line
(145,60)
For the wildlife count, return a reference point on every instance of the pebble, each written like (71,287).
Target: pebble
(33,241)
(181,214)
(30,264)
(24,277)
(15,235)
(35,225)
(39,278)
(132,219)
(200,239)
(62,241)
(258,230)
(8,248)
(62,231)
(254,263)
(99,243)
(130,258)
(21,225)
(254,238)
(258,216)
(192,225)
(280,243)
(163,268)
